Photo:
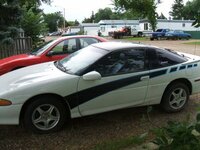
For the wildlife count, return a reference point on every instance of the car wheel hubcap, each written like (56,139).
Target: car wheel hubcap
(45,117)
(178,98)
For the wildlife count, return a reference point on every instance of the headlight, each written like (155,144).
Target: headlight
(4,102)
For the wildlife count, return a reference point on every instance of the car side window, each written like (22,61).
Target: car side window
(65,47)
(87,41)
(159,58)
(166,59)
(121,62)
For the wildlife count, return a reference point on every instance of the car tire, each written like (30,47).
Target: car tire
(187,38)
(44,115)
(140,34)
(151,38)
(175,97)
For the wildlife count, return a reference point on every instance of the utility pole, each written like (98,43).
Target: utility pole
(64,19)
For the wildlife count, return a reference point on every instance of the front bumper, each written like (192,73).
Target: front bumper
(9,115)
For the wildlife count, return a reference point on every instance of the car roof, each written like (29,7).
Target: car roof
(111,46)
(79,36)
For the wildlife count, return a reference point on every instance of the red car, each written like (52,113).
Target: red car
(51,51)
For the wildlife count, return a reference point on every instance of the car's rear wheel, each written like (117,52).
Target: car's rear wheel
(159,38)
(44,115)
(140,34)
(175,97)
(151,38)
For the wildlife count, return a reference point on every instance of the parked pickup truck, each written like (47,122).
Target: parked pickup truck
(159,34)
(127,31)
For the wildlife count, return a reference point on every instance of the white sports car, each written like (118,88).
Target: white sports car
(99,78)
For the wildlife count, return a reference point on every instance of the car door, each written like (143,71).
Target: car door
(62,49)
(123,83)
(163,69)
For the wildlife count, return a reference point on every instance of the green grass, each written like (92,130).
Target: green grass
(193,43)
(121,143)
(136,38)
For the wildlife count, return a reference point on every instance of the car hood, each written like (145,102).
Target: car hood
(16,57)
(31,76)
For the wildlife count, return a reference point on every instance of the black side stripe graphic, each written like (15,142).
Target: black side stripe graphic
(182,67)
(197,80)
(189,66)
(173,69)
(88,94)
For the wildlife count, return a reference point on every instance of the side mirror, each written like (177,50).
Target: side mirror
(50,53)
(91,76)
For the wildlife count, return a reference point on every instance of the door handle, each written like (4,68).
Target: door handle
(144,78)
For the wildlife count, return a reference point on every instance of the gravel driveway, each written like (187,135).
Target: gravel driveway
(85,133)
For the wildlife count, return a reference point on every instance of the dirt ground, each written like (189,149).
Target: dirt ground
(84,133)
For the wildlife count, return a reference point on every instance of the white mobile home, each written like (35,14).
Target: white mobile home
(105,26)
(185,25)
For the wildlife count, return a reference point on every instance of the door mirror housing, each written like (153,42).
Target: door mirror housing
(91,76)
(50,53)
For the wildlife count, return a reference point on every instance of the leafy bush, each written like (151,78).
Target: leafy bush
(179,135)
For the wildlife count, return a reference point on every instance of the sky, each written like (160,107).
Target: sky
(80,9)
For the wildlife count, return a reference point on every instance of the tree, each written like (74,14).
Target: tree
(12,17)
(33,24)
(103,14)
(107,13)
(143,8)
(161,16)
(53,21)
(177,9)
(10,14)
(192,12)
(76,23)
(30,3)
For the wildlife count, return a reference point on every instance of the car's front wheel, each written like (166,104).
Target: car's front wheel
(175,97)
(44,115)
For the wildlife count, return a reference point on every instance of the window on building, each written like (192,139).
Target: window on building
(183,25)
(102,29)
(146,26)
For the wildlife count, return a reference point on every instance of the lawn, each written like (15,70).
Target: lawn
(136,38)
(193,43)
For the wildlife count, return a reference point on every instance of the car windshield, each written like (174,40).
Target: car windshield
(159,30)
(39,50)
(80,60)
